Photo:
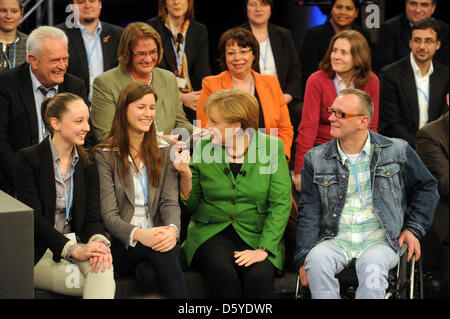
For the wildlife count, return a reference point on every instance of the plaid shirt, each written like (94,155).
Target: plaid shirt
(354,237)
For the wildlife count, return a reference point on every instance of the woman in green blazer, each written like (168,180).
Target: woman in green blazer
(237,187)
(140,52)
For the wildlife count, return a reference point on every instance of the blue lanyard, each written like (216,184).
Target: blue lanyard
(178,57)
(14,56)
(68,206)
(252,85)
(355,174)
(336,86)
(424,94)
(264,58)
(144,186)
(91,52)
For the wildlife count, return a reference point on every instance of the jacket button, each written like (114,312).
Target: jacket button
(343,176)
(388,173)
(326,182)
(334,215)
(233,202)
(332,234)
(231,218)
(340,196)
(233,186)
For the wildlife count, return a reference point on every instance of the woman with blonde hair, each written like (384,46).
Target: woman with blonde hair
(139,196)
(347,64)
(237,188)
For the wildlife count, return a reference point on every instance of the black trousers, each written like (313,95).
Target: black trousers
(215,259)
(155,272)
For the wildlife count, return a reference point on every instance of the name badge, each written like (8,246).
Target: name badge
(181,83)
(72,237)
(364,216)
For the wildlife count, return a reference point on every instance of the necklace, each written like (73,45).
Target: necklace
(149,83)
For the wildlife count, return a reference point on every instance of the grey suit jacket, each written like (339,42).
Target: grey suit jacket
(117,200)
(107,87)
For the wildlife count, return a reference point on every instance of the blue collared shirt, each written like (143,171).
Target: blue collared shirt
(94,53)
(38,98)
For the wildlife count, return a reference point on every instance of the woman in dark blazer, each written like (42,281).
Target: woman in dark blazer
(277,42)
(139,196)
(59,180)
(180,33)
(317,39)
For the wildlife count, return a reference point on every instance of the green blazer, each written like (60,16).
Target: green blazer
(107,87)
(256,205)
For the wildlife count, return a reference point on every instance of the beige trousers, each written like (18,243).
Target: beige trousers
(73,279)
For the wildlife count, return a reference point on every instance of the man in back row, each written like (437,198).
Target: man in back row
(362,196)
(93,43)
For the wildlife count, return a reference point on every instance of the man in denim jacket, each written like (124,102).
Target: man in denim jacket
(362,196)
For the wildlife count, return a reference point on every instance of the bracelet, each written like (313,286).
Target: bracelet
(263,249)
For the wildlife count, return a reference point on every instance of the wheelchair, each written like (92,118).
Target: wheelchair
(405,280)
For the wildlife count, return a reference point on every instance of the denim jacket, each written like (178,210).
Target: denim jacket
(404,192)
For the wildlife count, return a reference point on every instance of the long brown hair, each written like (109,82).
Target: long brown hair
(118,137)
(360,53)
(56,107)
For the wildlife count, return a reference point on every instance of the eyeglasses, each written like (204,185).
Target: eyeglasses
(235,53)
(427,41)
(142,54)
(342,115)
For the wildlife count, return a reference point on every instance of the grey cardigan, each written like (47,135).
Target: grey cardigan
(117,200)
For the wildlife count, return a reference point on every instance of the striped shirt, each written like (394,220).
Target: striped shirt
(359,227)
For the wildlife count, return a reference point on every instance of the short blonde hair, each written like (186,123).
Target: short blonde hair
(133,32)
(235,106)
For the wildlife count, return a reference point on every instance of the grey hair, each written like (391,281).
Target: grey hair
(34,41)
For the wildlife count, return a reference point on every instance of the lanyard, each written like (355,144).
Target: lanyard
(424,94)
(264,58)
(355,174)
(180,56)
(144,187)
(91,51)
(252,85)
(14,56)
(65,191)
(336,86)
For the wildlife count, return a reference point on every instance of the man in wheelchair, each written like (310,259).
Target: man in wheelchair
(362,196)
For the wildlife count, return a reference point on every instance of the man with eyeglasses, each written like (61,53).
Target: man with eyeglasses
(393,37)
(413,89)
(93,43)
(362,196)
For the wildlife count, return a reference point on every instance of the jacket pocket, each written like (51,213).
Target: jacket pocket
(387,178)
(262,209)
(199,217)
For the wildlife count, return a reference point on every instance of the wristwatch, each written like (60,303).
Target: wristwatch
(263,249)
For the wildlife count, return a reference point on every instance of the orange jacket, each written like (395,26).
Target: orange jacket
(273,104)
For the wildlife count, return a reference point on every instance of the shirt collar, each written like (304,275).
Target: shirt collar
(366,149)
(55,155)
(85,31)
(416,68)
(341,83)
(35,82)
